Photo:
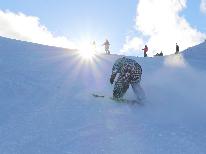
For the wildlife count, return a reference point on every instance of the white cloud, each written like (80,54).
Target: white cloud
(134,43)
(161,26)
(28,28)
(203,6)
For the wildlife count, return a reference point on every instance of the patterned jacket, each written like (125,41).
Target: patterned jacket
(129,70)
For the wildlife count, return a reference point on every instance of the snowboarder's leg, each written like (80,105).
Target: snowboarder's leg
(120,88)
(139,92)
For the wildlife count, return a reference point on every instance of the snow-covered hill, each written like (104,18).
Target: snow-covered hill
(46,106)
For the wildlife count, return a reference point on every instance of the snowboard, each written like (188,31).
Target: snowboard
(120,100)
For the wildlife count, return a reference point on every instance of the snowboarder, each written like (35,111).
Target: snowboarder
(177,49)
(106,46)
(145,50)
(129,73)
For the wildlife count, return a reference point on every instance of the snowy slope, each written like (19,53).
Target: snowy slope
(46,104)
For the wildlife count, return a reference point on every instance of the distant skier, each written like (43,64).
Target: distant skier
(161,53)
(157,54)
(129,73)
(106,46)
(177,49)
(145,50)
(94,46)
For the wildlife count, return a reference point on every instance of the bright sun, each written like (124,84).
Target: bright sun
(86,51)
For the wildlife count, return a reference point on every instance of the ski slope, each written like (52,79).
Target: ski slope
(46,106)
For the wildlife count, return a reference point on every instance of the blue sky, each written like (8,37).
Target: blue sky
(194,15)
(79,18)
(98,20)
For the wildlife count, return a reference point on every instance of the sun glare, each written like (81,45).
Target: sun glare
(86,51)
(86,59)
(86,54)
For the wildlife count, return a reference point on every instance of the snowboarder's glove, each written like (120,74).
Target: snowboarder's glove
(112,79)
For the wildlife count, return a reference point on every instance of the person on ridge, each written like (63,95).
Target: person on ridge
(94,46)
(161,53)
(106,46)
(145,50)
(177,49)
(129,73)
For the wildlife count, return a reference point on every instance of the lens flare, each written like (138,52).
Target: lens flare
(86,51)
(86,54)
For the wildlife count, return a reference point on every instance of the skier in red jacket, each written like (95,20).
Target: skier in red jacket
(145,50)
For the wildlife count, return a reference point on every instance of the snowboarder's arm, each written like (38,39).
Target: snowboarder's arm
(113,75)
(139,73)
(115,70)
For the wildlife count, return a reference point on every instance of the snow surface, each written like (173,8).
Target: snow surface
(46,106)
